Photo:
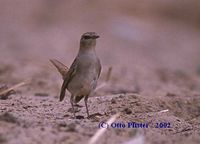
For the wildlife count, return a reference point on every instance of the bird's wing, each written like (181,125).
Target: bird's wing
(70,74)
(98,67)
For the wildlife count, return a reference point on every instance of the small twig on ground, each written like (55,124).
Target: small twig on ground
(101,131)
(162,111)
(5,96)
(8,90)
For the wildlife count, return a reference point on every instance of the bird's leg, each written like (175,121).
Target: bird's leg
(72,103)
(85,99)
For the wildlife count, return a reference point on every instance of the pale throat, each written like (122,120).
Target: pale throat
(87,47)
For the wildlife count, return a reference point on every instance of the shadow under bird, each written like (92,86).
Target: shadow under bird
(82,76)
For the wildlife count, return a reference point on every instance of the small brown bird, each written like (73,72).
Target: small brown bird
(83,74)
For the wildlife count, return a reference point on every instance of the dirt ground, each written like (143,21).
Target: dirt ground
(155,63)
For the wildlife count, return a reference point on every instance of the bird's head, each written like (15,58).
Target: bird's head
(88,40)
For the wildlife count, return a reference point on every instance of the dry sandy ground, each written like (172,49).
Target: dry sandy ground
(155,67)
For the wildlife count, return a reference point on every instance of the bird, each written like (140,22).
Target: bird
(83,74)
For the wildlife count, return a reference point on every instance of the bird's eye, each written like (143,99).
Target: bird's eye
(87,37)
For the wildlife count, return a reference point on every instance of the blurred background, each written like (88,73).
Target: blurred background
(136,35)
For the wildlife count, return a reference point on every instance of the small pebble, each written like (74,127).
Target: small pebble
(79,117)
(113,101)
(127,111)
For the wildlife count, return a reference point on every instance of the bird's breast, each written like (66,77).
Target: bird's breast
(85,79)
